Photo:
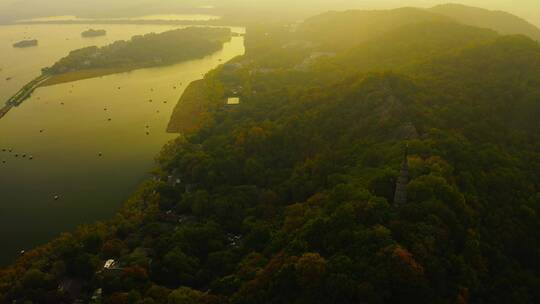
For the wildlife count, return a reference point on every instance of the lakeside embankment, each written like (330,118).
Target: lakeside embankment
(24,93)
(5,109)
(83,74)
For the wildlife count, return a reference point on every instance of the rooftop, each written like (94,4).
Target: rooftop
(233,100)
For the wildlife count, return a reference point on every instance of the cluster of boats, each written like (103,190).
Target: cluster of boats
(16,155)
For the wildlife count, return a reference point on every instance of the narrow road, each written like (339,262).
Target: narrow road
(27,90)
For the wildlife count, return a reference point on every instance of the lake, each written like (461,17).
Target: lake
(66,127)
(167,17)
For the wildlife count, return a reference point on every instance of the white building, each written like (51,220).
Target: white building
(233,100)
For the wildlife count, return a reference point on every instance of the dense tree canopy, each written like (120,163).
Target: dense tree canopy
(147,50)
(288,196)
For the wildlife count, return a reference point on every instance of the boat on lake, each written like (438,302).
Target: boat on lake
(26,43)
(93,33)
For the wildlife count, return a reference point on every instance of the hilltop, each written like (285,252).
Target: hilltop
(338,30)
(499,21)
(348,28)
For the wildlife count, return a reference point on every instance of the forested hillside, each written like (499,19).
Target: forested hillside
(502,22)
(333,29)
(288,197)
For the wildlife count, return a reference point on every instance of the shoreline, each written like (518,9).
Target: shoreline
(83,74)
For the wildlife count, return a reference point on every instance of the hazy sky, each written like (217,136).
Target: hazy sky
(528,9)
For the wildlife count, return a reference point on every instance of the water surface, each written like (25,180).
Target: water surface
(66,127)
(165,17)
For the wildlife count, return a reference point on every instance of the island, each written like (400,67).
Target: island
(139,52)
(93,33)
(26,43)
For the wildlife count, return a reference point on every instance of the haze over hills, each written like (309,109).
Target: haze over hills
(261,9)
(333,28)
(372,157)
(405,46)
(502,22)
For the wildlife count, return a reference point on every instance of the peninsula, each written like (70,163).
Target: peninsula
(140,52)
(121,56)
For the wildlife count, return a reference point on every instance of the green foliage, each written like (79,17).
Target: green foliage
(288,197)
(333,28)
(148,50)
(500,21)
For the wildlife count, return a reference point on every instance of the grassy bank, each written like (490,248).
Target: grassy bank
(83,74)
(190,113)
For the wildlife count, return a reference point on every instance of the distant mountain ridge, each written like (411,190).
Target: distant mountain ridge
(343,29)
(339,30)
(502,22)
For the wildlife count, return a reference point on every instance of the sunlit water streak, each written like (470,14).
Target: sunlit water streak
(65,127)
